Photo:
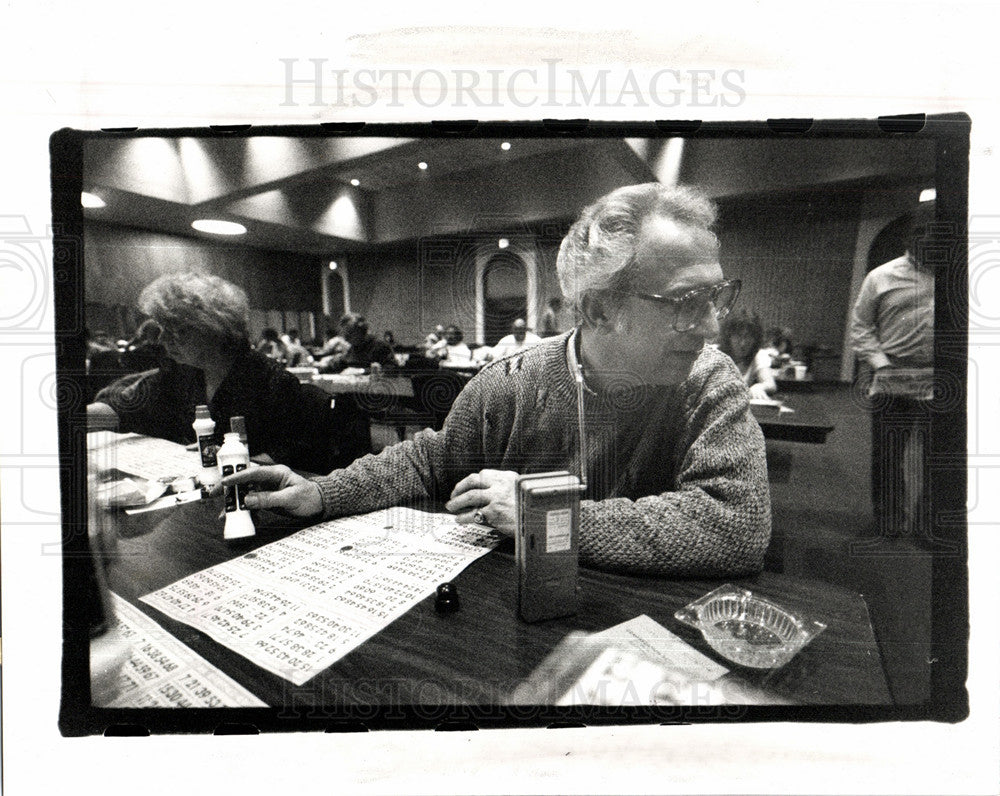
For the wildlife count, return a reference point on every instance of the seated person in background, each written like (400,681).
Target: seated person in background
(778,346)
(518,339)
(297,355)
(676,477)
(741,338)
(104,362)
(99,341)
(270,345)
(144,351)
(451,350)
(335,344)
(364,349)
(434,340)
(210,361)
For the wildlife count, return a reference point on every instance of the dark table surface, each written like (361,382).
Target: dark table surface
(808,384)
(480,654)
(808,423)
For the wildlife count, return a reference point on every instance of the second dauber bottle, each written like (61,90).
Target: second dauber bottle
(233,458)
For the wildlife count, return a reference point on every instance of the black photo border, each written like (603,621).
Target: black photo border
(948,478)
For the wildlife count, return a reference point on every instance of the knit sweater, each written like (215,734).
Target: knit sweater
(676,476)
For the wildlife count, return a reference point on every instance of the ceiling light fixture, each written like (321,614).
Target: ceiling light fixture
(928,195)
(91,200)
(505,146)
(215,226)
(422,166)
(503,243)
(355,182)
(333,265)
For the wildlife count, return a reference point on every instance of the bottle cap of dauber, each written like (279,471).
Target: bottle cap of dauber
(446,600)
(238,424)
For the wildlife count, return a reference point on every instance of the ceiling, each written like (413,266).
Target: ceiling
(296,193)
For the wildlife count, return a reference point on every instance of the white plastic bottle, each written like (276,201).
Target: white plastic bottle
(204,428)
(234,457)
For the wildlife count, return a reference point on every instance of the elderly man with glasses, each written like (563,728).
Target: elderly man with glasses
(676,474)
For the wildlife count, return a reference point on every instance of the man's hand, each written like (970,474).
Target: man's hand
(286,491)
(491,492)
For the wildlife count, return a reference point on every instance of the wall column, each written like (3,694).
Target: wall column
(525,249)
(483,253)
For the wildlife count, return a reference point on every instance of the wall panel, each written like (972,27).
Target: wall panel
(119,262)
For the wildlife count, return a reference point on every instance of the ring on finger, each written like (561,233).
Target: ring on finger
(479,517)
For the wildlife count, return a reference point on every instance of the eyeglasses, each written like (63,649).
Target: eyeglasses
(689,308)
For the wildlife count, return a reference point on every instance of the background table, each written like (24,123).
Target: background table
(808,423)
(480,654)
(807,385)
(338,383)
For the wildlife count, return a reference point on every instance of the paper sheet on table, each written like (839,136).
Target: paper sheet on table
(162,672)
(297,605)
(167,502)
(146,457)
(101,439)
(653,642)
(638,662)
(643,663)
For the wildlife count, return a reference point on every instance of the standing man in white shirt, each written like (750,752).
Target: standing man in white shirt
(892,331)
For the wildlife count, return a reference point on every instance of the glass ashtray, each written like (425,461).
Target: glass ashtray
(747,629)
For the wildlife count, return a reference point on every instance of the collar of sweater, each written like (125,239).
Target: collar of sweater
(550,364)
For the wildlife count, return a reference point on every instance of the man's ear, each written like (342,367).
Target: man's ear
(597,312)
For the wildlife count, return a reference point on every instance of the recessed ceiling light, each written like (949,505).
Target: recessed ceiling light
(505,146)
(333,265)
(503,243)
(928,195)
(91,200)
(218,227)
(355,183)
(422,166)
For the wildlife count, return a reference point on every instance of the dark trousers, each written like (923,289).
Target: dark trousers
(900,443)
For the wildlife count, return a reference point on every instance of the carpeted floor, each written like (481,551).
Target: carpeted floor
(821,501)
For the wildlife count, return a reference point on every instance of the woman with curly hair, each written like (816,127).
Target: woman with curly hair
(741,337)
(204,322)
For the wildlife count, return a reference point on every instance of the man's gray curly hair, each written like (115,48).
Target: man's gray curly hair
(599,248)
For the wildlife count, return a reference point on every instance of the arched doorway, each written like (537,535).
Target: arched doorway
(336,295)
(890,243)
(505,292)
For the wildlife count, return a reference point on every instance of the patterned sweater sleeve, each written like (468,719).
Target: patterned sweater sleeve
(426,467)
(717,520)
